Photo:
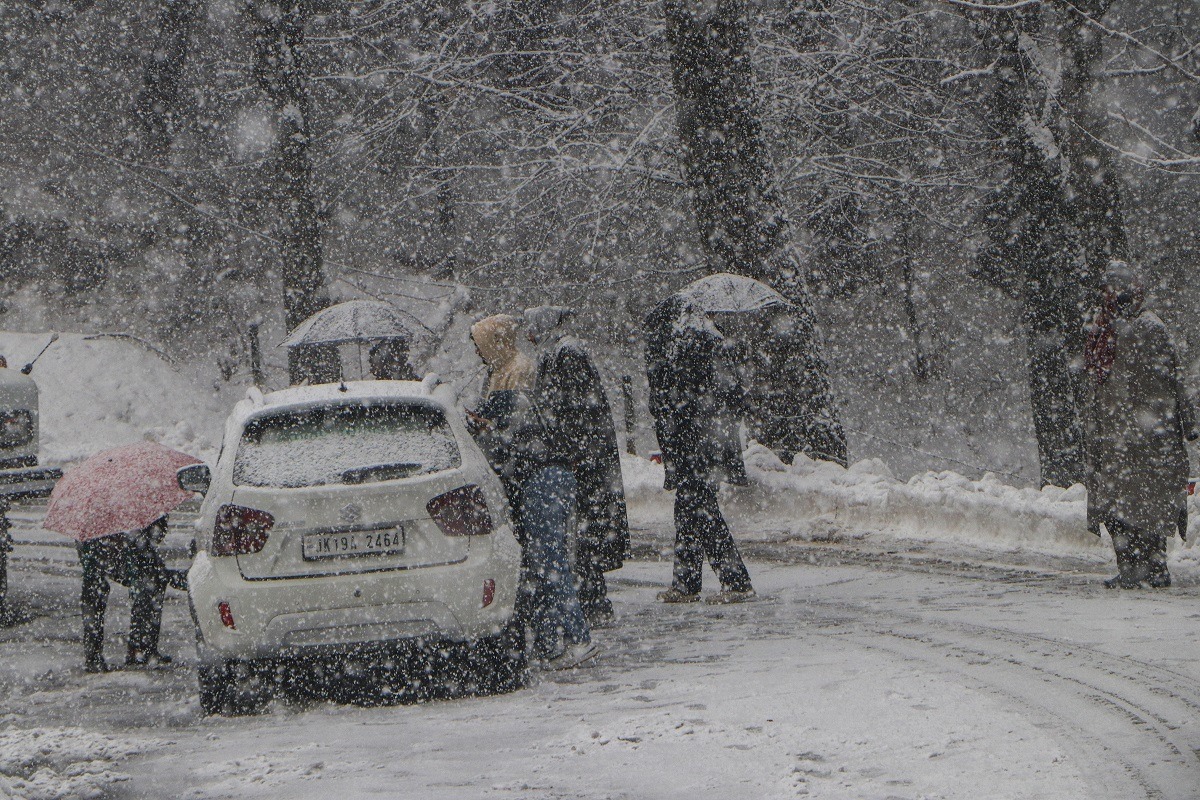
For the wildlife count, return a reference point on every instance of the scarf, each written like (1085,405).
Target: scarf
(1101,349)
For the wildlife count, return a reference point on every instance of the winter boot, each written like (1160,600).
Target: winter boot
(1161,580)
(673,595)
(573,656)
(142,658)
(726,596)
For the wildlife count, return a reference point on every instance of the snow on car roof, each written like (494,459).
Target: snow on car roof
(427,390)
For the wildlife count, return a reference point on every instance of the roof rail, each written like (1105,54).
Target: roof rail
(430,382)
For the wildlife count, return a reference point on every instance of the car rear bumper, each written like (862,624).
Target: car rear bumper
(299,616)
(20,483)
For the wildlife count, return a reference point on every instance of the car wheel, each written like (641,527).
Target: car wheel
(234,688)
(498,663)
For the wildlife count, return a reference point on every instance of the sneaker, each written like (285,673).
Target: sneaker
(673,595)
(572,657)
(726,596)
(139,659)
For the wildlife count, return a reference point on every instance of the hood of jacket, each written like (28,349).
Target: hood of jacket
(545,323)
(496,338)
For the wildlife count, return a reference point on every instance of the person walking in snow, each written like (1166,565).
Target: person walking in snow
(5,549)
(1134,432)
(526,453)
(696,401)
(132,560)
(571,395)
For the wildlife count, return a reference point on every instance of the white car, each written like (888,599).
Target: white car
(345,519)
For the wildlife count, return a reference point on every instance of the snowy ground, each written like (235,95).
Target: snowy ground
(874,667)
(935,637)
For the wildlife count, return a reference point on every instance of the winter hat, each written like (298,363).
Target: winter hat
(1123,276)
(496,338)
(541,321)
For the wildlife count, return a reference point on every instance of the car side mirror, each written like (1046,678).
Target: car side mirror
(194,478)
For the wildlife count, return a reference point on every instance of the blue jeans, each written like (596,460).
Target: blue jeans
(557,621)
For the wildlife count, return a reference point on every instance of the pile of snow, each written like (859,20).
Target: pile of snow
(103,391)
(820,501)
(58,763)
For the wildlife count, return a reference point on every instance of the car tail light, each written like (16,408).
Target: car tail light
(226,615)
(461,512)
(489,592)
(240,531)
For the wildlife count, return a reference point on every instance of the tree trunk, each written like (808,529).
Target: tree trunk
(279,69)
(1034,251)
(1095,190)
(907,248)
(160,106)
(739,215)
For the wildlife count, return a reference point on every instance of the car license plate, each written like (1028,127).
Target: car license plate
(353,543)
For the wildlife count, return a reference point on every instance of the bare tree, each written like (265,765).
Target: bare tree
(737,210)
(279,67)
(1033,249)
(160,104)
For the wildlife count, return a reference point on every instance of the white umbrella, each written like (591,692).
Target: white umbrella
(355,321)
(725,292)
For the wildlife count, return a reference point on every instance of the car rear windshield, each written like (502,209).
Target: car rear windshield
(16,428)
(344,444)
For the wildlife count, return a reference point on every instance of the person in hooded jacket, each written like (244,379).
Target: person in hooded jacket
(1134,431)
(532,464)
(571,394)
(696,402)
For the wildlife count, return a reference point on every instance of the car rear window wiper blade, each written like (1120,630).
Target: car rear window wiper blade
(382,472)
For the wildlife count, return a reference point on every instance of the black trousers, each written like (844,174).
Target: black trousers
(590,583)
(1141,556)
(700,531)
(135,563)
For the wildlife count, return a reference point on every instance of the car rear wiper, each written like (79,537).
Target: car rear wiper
(382,472)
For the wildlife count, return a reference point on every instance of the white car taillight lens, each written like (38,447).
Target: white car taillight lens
(240,531)
(461,512)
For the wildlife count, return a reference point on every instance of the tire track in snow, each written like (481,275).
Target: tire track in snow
(1117,708)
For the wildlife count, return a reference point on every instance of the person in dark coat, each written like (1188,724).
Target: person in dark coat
(526,454)
(1138,419)
(388,361)
(696,402)
(132,560)
(571,394)
(5,549)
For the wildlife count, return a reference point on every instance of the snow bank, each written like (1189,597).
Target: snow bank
(60,763)
(100,392)
(820,501)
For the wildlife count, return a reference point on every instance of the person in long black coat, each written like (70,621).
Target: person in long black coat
(5,548)
(571,395)
(131,559)
(696,402)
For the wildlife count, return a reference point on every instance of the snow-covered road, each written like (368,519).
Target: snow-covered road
(863,672)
